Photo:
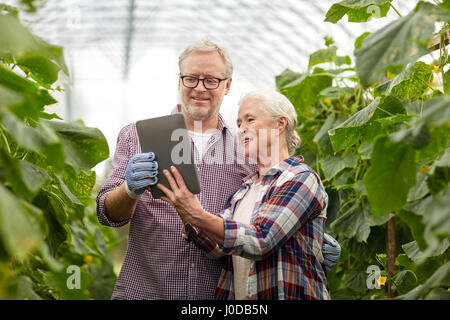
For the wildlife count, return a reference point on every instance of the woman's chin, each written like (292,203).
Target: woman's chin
(251,154)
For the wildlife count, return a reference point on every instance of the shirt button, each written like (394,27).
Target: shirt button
(192,265)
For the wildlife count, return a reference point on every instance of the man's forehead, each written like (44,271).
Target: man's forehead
(203,63)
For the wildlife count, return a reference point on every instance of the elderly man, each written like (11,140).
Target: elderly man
(159,263)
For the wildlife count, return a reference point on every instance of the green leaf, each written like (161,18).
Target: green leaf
(49,116)
(82,186)
(10,97)
(447,82)
(359,126)
(404,281)
(54,209)
(436,111)
(445,4)
(380,219)
(349,132)
(438,143)
(437,218)
(392,174)
(398,118)
(84,147)
(398,43)
(40,68)
(365,150)
(334,203)
(418,136)
(440,278)
(60,280)
(333,165)
(413,252)
(286,77)
(353,223)
(359,40)
(304,92)
(418,257)
(323,55)
(420,190)
(24,97)
(358,10)
(402,260)
(412,82)
(438,294)
(17,40)
(336,92)
(25,289)
(39,139)
(18,225)
(355,280)
(322,139)
(339,61)
(414,108)
(416,226)
(25,178)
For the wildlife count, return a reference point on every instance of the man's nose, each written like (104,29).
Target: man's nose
(200,86)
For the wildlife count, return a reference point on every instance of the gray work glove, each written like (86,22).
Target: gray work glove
(331,252)
(140,173)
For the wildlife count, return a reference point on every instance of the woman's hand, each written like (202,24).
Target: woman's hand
(185,203)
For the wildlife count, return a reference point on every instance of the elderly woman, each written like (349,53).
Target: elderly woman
(272,230)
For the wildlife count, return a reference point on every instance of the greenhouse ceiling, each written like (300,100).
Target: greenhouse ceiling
(264,37)
(122,54)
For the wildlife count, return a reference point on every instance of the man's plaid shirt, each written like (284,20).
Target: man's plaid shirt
(284,238)
(159,263)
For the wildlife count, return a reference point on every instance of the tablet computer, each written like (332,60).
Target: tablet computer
(168,138)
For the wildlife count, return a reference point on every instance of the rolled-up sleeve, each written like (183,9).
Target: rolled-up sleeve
(289,207)
(116,175)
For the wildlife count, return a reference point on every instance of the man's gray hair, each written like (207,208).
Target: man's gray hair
(277,105)
(206,45)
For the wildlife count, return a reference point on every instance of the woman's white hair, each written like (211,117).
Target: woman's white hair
(277,105)
(205,45)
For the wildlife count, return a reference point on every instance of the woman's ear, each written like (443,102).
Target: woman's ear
(282,123)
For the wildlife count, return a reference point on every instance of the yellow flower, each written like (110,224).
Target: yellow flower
(382,280)
(424,169)
(88,259)
(327,101)
(436,69)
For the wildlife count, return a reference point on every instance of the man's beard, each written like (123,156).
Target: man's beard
(198,113)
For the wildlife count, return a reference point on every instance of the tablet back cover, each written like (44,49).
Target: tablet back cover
(168,138)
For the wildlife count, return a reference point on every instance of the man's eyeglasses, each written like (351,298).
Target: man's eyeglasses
(208,83)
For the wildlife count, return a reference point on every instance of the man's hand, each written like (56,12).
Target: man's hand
(331,252)
(140,173)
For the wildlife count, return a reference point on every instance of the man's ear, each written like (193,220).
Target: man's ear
(227,86)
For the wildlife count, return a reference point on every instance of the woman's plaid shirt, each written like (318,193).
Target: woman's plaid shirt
(284,238)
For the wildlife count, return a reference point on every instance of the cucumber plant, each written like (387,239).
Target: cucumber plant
(377,130)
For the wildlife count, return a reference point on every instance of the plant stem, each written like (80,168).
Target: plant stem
(5,140)
(395,9)
(391,255)
(442,54)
